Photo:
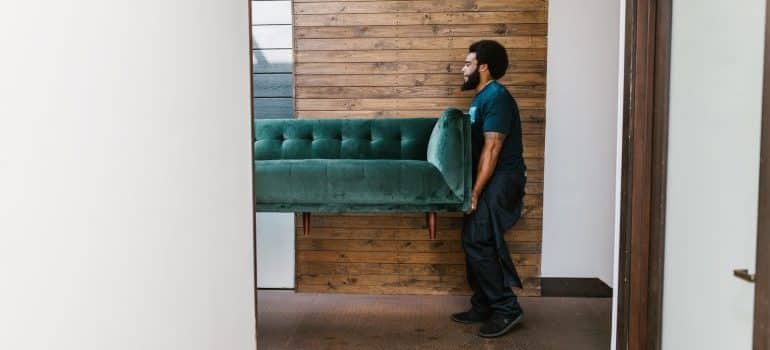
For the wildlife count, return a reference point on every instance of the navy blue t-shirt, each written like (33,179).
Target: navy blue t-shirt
(493,109)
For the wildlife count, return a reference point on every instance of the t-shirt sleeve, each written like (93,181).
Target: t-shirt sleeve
(499,113)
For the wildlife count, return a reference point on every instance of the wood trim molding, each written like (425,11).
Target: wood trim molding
(643,186)
(762,279)
(572,287)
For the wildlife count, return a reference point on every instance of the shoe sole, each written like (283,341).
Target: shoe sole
(464,322)
(505,330)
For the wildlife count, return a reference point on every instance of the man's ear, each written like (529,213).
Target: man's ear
(483,67)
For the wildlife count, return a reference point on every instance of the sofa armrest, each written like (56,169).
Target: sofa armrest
(449,150)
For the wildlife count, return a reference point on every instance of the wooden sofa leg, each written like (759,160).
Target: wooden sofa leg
(431,221)
(306,224)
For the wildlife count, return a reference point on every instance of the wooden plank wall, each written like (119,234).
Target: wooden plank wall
(403,59)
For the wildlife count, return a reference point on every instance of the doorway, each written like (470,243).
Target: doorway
(643,192)
(310,103)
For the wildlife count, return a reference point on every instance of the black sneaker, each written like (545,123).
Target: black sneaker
(471,316)
(499,325)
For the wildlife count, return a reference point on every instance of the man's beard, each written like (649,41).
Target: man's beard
(473,81)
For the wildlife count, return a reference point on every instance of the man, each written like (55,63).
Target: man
(499,176)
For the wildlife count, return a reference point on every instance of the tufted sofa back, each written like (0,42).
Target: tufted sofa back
(405,139)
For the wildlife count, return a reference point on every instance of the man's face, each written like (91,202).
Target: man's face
(471,76)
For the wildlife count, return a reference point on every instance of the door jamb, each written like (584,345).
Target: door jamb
(643,175)
(762,277)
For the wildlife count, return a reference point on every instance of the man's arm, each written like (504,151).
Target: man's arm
(490,153)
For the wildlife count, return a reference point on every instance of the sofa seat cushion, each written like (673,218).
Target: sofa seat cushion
(350,181)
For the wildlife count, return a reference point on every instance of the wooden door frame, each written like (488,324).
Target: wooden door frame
(643,184)
(762,276)
(643,174)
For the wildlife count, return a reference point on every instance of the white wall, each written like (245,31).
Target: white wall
(581,139)
(618,170)
(125,182)
(275,250)
(713,171)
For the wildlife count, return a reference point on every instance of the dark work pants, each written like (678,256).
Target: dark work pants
(485,271)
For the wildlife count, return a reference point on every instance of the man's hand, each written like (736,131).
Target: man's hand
(474,203)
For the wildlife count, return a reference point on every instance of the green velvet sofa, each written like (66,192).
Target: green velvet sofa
(363,165)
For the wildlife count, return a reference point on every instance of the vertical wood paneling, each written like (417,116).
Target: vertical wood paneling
(403,59)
